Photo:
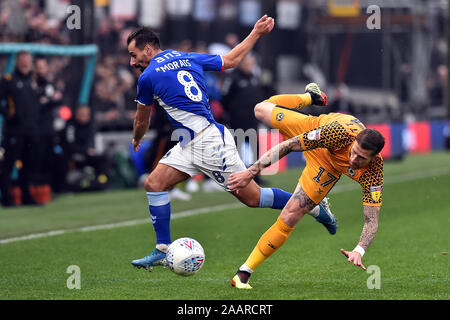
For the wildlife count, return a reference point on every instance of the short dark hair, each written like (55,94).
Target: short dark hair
(23,52)
(144,36)
(371,139)
(39,57)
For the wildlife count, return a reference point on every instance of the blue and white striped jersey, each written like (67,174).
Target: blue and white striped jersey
(176,80)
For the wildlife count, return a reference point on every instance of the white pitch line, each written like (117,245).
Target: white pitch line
(228,206)
(182,214)
(175,215)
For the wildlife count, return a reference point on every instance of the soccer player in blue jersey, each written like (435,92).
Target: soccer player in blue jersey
(175,80)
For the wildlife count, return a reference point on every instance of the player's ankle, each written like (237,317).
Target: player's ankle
(306,100)
(162,247)
(244,273)
(244,276)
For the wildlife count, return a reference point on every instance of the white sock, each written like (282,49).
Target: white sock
(246,269)
(162,247)
(315,211)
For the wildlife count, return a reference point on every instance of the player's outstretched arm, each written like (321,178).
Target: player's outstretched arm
(141,124)
(370,228)
(241,179)
(367,236)
(235,56)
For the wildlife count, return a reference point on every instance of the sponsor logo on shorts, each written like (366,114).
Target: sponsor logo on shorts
(279,116)
(376,193)
(314,135)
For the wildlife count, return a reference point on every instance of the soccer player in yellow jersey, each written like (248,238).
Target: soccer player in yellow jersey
(333,144)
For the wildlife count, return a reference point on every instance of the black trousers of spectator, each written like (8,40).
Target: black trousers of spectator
(100,163)
(60,167)
(24,148)
(45,159)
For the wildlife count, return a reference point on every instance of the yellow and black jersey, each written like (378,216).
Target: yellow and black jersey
(327,140)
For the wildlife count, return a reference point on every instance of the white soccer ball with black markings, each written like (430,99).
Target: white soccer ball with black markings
(185,256)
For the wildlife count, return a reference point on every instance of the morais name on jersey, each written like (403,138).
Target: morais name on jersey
(174,65)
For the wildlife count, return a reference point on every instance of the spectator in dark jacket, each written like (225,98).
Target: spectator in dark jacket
(49,100)
(79,145)
(20,129)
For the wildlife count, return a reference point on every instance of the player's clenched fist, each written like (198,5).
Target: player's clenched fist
(264,25)
(136,145)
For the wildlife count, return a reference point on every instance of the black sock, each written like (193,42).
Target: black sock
(243,276)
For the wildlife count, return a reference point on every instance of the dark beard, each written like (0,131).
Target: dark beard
(142,68)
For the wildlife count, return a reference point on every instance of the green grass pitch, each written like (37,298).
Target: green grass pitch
(411,247)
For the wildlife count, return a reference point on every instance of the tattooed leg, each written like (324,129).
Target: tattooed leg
(297,207)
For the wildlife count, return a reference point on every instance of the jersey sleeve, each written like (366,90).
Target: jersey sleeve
(371,182)
(209,62)
(144,91)
(332,136)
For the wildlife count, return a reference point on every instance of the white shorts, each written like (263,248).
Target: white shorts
(207,153)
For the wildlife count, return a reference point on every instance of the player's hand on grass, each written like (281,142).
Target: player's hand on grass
(354,257)
(264,25)
(136,145)
(239,180)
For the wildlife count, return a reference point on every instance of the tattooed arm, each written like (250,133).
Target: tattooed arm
(275,154)
(370,226)
(242,179)
(368,234)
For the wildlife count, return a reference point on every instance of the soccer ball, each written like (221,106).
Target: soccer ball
(185,256)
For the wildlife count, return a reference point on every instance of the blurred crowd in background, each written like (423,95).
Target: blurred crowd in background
(282,64)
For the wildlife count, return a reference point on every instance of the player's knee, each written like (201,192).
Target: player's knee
(154,185)
(291,215)
(259,110)
(263,110)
